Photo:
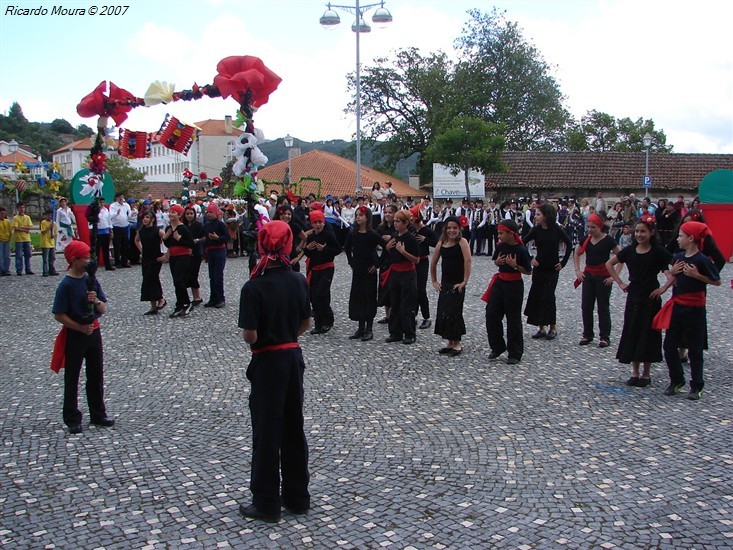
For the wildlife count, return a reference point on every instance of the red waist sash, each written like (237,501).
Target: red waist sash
(176,251)
(504,276)
(399,267)
(58,356)
(276,347)
(663,318)
(214,247)
(597,270)
(310,269)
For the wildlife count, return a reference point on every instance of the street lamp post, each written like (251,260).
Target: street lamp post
(13,148)
(647,139)
(288,145)
(381,17)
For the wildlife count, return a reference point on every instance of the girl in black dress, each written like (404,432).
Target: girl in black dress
(361,251)
(178,239)
(541,309)
(197,253)
(639,343)
(402,280)
(455,255)
(385,230)
(148,241)
(426,238)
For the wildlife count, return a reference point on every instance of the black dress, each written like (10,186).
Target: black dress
(150,289)
(449,323)
(361,251)
(639,342)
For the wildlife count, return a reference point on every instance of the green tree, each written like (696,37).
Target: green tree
(83,131)
(126,179)
(597,131)
(61,126)
(503,79)
(468,144)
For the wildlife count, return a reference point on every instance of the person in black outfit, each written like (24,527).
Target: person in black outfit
(504,295)
(402,280)
(320,249)
(148,240)
(361,251)
(667,220)
(273,312)
(541,308)
(386,230)
(178,239)
(455,255)
(197,253)
(215,249)
(425,239)
(284,213)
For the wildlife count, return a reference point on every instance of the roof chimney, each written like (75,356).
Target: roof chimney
(228,124)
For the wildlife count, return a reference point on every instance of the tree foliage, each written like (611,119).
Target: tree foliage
(127,180)
(504,79)
(602,132)
(468,144)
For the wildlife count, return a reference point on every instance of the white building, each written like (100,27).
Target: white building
(75,156)
(11,153)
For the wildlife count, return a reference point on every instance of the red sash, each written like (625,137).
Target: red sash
(598,270)
(58,356)
(276,347)
(309,269)
(176,251)
(399,267)
(663,318)
(214,247)
(504,276)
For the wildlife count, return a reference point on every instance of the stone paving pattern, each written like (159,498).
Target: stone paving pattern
(409,449)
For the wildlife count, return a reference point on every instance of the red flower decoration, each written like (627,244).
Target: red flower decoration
(116,105)
(237,74)
(203,176)
(216,181)
(187,174)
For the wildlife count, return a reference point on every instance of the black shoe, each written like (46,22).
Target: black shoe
(209,304)
(317,330)
(644,382)
(176,313)
(694,395)
(539,334)
(152,311)
(604,343)
(111,268)
(105,422)
(220,305)
(551,335)
(585,340)
(674,389)
(357,335)
(391,339)
(197,302)
(75,429)
(426,323)
(252,512)
(186,310)
(445,351)
(53,273)
(29,273)
(684,359)
(513,361)
(455,352)
(383,321)
(408,341)
(368,335)
(165,303)
(633,381)
(297,511)
(493,356)
(326,328)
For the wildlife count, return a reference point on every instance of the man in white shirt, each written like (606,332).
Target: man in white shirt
(119,214)
(66,221)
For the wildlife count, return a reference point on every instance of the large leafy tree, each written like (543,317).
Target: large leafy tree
(504,79)
(468,144)
(597,131)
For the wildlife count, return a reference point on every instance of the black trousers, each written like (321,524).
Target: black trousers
(506,301)
(320,295)
(422,269)
(83,348)
(278,438)
(133,252)
(179,272)
(690,323)
(121,244)
(403,298)
(103,250)
(595,291)
(493,235)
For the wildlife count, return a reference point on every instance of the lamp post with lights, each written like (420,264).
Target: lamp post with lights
(288,145)
(647,139)
(381,17)
(13,148)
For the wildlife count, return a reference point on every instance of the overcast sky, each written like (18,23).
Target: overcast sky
(671,61)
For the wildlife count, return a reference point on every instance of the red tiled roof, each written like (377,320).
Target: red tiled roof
(598,171)
(338,175)
(19,156)
(85,144)
(215,127)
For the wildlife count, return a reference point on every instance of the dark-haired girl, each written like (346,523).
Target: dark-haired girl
(639,343)
(541,309)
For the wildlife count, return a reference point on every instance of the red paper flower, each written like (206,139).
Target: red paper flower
(216,181)
(237,74)
(203,176)
(116,105)
(187,174)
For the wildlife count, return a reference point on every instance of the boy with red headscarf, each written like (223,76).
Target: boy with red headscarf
(685,314)
(78,308)
(273,312)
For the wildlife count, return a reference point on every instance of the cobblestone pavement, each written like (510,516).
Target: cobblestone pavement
(409,449)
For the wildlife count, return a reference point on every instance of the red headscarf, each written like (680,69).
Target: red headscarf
(595,219)
(75,250)
(213,207)
(511,230)
(697,230)
(178,209)
(317,216)
(274,242)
